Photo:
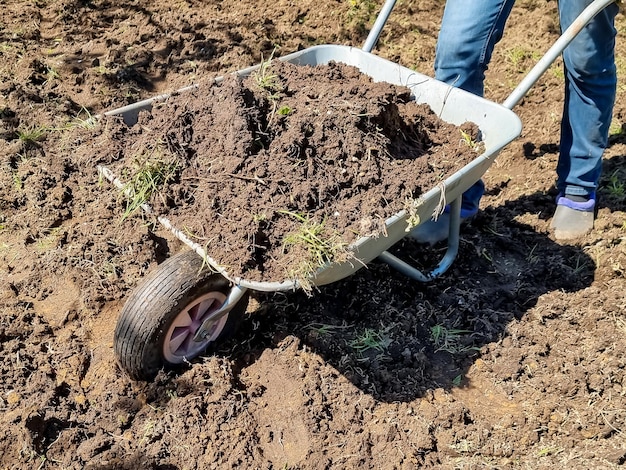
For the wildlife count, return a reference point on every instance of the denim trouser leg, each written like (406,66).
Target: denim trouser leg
(590,83)
(469,31)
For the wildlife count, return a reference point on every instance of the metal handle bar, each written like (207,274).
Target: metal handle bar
(374,34)
(557,48)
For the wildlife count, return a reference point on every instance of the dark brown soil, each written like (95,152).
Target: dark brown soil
(515,358)
(258,163)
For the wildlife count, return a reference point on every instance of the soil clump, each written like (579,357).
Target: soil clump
(278,172)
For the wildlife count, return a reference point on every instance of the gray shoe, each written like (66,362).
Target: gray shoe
(573,219)
(433,231)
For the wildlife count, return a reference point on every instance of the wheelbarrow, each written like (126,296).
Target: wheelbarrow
(190,303)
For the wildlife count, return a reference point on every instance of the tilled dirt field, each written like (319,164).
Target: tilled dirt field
(515,358)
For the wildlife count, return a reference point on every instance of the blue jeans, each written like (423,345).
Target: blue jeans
(471,28)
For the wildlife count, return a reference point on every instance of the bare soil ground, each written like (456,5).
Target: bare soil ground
(514,359)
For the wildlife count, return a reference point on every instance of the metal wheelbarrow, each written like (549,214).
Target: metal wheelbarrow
(185,307)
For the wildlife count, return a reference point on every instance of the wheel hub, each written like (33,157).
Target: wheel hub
(179,345)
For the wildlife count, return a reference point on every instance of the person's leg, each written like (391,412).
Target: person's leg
(590,84)
(469,31)
(468,35)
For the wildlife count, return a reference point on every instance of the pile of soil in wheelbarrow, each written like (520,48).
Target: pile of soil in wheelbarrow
(278,172)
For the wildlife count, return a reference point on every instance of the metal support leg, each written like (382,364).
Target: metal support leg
(446,261)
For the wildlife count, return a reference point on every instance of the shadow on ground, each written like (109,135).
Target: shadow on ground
(395,338)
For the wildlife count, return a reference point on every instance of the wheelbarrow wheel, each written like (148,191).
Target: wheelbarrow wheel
(159,320)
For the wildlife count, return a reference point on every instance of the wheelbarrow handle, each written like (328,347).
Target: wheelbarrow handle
(557,48)
(381,19)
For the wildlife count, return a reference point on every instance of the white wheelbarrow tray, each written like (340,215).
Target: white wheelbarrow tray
(498,126)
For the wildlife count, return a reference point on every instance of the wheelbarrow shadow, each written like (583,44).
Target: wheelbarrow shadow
(395,338)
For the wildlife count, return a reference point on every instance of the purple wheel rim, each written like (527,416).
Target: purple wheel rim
(179,345)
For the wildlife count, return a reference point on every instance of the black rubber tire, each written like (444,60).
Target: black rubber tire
(153,306)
